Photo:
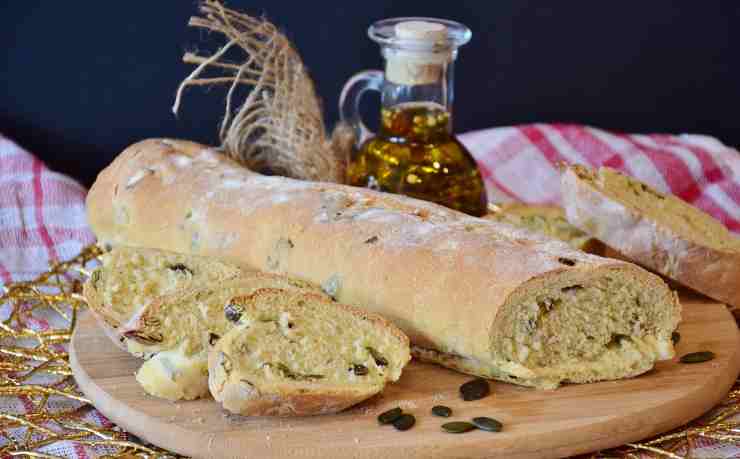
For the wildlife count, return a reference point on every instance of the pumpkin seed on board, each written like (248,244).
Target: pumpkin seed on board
(489,424)
(442,411)
(457,427)
(389,416)
(404,422)
(475,389)
(675,337)
(697,357)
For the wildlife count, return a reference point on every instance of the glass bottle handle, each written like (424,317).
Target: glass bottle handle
(349,100)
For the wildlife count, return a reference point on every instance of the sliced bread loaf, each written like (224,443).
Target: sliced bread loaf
(547,220)
(660,232)
(297,353)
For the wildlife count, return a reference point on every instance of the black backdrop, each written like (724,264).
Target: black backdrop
(83,79)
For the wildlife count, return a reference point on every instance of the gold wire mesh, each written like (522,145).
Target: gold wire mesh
(34,365)
(34,368)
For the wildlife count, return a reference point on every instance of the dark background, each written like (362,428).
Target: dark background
(82,80)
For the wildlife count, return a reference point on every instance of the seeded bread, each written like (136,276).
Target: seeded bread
(660,232)
(296,353)
(168,308)
(481,296)
(547,220)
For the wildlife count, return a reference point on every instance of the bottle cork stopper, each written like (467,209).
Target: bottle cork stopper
(421,30)
(420,64)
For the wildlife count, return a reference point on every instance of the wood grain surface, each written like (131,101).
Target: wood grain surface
(537,424)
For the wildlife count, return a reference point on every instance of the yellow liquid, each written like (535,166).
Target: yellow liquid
(414,154)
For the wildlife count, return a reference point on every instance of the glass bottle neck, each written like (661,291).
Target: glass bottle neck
(421,84)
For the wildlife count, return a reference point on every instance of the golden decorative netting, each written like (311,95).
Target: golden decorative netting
(43,414)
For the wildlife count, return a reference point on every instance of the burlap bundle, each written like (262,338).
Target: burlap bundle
(279,127)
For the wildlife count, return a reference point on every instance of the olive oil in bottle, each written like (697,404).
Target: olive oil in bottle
(414,152)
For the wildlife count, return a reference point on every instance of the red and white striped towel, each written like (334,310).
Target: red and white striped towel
(42,216)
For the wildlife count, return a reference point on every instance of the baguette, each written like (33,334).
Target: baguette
(296,354)
(480,296)
(660,232)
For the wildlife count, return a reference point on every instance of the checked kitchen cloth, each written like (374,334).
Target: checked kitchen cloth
(42,214)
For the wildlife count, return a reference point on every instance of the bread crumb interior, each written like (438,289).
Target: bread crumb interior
(294,338)
(592,329)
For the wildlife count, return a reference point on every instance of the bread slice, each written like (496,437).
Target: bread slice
(544,219)
(660,232)
(169,318)
(130,279)
(296,354)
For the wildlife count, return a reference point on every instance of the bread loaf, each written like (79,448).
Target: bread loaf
(544,219)
(480,296)
(660,232)
(296,353)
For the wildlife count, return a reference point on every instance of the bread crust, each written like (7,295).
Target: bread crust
(95,302)
(468,366)
(713,272)
(438,274)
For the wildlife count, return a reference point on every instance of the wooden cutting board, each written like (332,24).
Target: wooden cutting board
(537,424)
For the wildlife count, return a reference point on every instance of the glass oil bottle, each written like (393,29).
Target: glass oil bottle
(414,153)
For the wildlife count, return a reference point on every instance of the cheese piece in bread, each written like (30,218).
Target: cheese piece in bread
(296,353)
(660,232)
(497,301)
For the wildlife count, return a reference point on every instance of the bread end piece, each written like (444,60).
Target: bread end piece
(577,326)
(660,232)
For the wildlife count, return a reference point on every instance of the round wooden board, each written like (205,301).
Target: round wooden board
(538,424)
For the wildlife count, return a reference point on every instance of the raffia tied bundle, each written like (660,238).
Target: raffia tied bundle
(279,127)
